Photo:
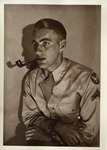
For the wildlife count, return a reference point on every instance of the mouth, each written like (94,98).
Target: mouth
(40,59)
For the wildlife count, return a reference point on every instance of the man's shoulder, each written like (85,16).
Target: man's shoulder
(80,71)
(78,66)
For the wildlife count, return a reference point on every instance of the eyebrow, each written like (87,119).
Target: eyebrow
(44,39)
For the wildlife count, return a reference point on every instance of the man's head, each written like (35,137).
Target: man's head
(49,39)
(52,25)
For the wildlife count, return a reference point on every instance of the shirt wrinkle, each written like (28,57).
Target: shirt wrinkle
(70,98)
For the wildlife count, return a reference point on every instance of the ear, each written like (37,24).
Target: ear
(62,45)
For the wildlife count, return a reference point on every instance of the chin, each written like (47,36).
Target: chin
(42,66)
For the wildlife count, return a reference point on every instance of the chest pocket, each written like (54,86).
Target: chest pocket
(69,108)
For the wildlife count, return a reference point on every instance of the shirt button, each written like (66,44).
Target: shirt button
(79,117)
(60,107)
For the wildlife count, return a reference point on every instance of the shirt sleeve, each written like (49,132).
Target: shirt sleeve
(90,108)
(30,111)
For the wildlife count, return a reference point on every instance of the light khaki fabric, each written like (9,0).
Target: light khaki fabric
(73,97)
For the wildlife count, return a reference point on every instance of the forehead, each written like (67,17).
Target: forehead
(45,33)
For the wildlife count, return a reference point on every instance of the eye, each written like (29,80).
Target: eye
(45,44)
(35,44)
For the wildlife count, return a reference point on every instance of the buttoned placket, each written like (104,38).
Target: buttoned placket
(52,102)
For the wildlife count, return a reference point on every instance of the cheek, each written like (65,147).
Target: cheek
(52,55)
(53,52)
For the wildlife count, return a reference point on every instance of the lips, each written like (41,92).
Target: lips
(39,59)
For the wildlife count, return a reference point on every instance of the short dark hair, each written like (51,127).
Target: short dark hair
(51,24)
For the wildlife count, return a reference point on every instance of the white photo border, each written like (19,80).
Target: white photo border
(103,118)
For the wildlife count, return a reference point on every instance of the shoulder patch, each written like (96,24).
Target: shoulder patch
(94,78)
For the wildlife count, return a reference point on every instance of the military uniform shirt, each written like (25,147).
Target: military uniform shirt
(75,96)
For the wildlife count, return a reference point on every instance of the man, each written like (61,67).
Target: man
(61,97)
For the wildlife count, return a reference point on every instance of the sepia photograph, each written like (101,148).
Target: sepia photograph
(52,74)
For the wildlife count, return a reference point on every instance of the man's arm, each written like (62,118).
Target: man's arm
(84,131)
(32,116)
(79,133)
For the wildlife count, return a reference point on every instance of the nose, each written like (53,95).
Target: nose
(39,50)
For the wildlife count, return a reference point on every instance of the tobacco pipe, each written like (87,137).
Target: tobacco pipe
(20,63)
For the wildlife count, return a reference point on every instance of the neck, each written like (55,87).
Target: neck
(55,66)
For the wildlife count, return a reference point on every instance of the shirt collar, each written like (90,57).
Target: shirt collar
(60,71)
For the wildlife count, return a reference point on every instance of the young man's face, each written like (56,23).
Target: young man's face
(47,46)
